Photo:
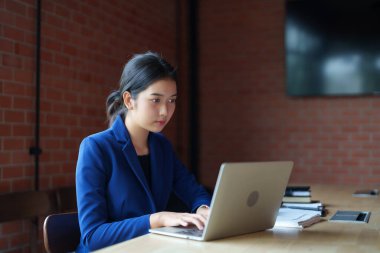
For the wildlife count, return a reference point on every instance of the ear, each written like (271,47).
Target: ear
(127,98)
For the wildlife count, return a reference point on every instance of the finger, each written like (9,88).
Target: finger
(183,223)
(201,218)
(196,220)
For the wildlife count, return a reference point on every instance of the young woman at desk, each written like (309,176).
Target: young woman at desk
(125,174)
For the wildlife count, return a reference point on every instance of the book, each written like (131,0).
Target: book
(297,194)
(313,206)
(297,191)
(296,218)
(297,188)
(304,199)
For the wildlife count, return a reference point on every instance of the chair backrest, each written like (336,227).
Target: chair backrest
(61,232)
(29,204)
(24,205)
(66,199)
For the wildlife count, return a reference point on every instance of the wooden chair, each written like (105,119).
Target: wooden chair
(61,232)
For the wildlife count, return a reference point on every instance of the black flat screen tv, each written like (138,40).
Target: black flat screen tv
(332,47)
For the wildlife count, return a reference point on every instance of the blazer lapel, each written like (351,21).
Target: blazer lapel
(122,136)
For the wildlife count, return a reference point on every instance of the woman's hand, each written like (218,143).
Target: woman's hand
(169,219)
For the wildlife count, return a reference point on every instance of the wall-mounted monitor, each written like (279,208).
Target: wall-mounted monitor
(332,47)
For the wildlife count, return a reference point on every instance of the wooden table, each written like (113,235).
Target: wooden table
(321,237)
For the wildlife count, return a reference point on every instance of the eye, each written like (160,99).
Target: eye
(155,100)
(172,100)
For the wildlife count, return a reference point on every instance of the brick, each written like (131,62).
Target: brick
(12,227)
(51,44)
(24,23)
(53,94)
(6,45)
(53,20)
(28,63)
(52,144)
(62,12)
(24,103)
(30,38)
(51,70)
(5,102)
(15,7)
(24,184)
(46,56)
(29,171)
(31,10)
(23,76)
(21,157)
(60,131)
(24,50)
(360,137)
(59,181)
(11,61)
(79,18)
(13,144)
(6,75)
(69,50)
(60,108)
(14,116)
(62,60)
(22,130)
(13,33)
(6,17)
(12,172)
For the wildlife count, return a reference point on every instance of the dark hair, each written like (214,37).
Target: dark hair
(139,73)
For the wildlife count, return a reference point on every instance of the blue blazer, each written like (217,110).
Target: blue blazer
(113,197)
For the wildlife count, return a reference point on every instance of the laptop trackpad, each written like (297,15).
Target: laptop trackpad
(190,231)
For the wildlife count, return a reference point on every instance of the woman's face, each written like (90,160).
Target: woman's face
(153,107)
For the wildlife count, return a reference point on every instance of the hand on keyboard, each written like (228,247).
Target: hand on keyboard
(171,219)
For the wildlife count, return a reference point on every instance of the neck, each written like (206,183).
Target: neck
(139,137)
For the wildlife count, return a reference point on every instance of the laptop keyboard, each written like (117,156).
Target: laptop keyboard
(191,231)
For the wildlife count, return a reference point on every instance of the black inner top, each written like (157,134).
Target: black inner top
(145,165)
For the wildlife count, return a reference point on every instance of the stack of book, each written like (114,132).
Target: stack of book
(299,197)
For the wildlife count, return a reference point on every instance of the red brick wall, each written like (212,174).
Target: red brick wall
(17,57)
(84,45)
(245,114)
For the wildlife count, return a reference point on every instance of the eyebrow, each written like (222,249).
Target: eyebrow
(161,95)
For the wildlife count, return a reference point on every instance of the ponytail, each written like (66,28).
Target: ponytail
(114,105)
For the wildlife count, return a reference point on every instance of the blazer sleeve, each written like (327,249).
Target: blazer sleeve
(91,182)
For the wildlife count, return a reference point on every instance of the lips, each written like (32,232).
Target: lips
(161,122)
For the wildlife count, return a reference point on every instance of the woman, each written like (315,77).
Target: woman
(126,174)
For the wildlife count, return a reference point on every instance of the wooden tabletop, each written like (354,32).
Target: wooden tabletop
(324,236)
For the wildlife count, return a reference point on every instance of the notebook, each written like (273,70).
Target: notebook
(246,199)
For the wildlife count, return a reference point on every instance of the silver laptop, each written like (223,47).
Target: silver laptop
(246,199)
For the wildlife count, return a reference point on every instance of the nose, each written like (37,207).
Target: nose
(163,110)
